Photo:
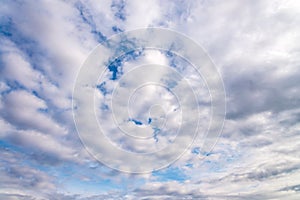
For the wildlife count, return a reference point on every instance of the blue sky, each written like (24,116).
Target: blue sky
(254,46)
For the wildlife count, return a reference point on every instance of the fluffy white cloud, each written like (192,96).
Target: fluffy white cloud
(254,45)
(27,111)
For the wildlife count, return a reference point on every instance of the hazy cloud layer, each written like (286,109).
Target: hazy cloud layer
(255,46)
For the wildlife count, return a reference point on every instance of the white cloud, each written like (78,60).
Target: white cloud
(254,45)
(25,111)
(142,14)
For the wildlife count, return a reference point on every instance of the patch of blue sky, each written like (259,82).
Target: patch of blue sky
(102,88)
(115,69)
(155,133)
(36,93)
(104,107)
(230,155)
(126,48)
(26,155)
(90,177)
(118,7)
(5,26)
(44,158)
(31,155)
(189,165)
(170,174)
(7,145)
(168,53)
(85,14)
(175,60)
(60,171)
(30,49)
(13,86)
(225,157)
(9,30)
(115,65)
(116,29)
(87,18)
(68,172)
(100,37)
(196,150)
(170,83)
(137,122)
(214,166)
(132,55)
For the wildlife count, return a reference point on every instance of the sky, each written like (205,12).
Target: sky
(117,99)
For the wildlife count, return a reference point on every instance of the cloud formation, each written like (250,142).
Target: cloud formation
(254,46)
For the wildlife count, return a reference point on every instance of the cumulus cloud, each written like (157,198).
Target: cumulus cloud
(21,181)
(26,111)
(254,46)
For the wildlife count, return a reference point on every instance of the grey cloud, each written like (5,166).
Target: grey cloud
(256,93)
(16,197)
(16,176)
(255,45)
(23,110)
(263,173)
(295,188)
(255,50)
